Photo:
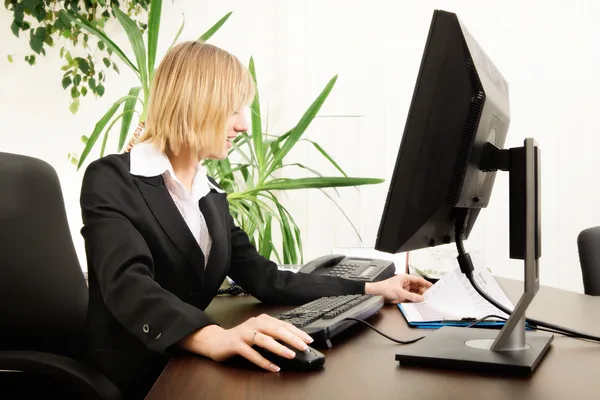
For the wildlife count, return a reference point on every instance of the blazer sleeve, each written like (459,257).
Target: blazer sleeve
(123,264)
(261,277)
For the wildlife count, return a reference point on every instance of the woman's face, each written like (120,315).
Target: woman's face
(236,124)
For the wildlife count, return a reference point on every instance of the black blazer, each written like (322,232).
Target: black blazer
(147,283)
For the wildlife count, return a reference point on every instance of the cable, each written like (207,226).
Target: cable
(538,328)
(383,334)
(466,267)
(480,320)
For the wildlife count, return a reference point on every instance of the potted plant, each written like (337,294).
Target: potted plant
(249,175)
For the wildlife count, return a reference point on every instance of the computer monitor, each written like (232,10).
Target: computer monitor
(460,102)
(452,146)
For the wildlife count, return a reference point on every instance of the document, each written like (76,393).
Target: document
(453,298)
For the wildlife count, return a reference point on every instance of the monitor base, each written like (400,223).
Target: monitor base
(469,349)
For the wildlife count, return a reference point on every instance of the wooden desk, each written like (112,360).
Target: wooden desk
(361,364)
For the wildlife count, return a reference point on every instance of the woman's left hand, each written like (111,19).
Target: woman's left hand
(399,288)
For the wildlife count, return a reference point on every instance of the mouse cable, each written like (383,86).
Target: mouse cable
(383,334)
(466,266)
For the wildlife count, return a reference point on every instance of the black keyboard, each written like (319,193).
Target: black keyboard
(325,318)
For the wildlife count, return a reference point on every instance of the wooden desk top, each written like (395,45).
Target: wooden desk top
(361,364)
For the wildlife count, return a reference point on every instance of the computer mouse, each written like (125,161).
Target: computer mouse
(308,360)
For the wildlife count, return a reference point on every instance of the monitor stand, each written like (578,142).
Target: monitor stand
(513,350)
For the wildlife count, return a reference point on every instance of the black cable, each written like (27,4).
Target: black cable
(538,328)
(480,320)
(383,334)
(466,267)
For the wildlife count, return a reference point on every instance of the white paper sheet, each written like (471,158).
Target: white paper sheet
(453,298)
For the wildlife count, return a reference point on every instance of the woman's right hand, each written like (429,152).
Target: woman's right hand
(220,344)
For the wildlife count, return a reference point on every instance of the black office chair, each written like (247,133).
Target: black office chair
(43,293)
(588,245)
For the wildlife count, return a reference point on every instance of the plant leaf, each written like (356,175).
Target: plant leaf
(178,32)
(207,35)
(314,171)
(126,121)
(83,64)
(137,44)
(327,156)
(237,146)
(103,148)
(153,29)
(247,211)
(314,183)
(301,126)
(298,239)
(99,128)
(66,81)
(15,29)
(275,146)
(74,106)
(100,35)
(10,58)
(36,40)
(266,244)
(114,121)
(257,138)
(289,248)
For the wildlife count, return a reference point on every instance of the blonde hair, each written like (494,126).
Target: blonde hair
(196,88)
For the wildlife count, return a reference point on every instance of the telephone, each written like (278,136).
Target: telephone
(354,268)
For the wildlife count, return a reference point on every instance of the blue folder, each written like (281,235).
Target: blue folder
(464,322)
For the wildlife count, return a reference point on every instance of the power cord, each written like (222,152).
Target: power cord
(383,334)
(466,266)
(528,326)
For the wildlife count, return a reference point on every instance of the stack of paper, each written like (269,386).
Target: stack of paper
(453,301)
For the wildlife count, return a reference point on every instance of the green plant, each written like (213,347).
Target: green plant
(251,182)
(143,66)
(87,62)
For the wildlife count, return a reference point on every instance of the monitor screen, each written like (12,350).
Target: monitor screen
(460,103)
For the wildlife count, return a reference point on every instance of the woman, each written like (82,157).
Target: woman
(160,240)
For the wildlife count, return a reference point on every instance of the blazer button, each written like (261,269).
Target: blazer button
(146,328)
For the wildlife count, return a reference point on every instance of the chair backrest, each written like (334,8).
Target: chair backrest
(43,294)
(588,245)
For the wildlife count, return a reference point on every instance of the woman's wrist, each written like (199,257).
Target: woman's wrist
(197,341)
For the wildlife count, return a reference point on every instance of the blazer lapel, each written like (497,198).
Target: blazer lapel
(166,213)
(214,214)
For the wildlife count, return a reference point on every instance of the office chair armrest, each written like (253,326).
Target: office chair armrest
(85,379)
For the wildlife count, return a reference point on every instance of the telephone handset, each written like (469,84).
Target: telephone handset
(354,268)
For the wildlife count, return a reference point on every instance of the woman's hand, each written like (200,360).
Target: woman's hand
(399,288)
(220,344)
